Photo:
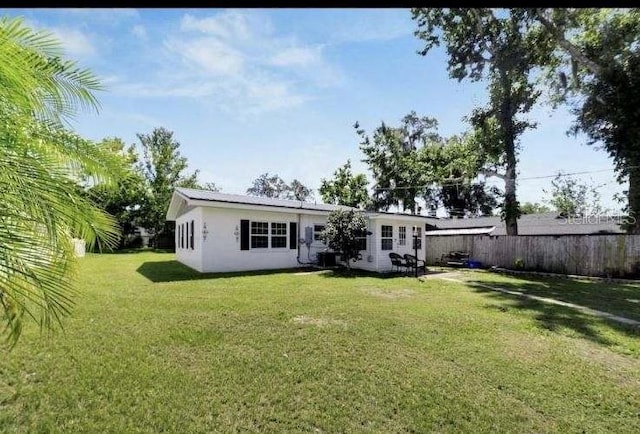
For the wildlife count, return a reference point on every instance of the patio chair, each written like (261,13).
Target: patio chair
(397,261)
(413,262)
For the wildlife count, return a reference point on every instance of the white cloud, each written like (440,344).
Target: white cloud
(100,14)
(297,56)
(208,54)
(228,25)
(239,62)
(75,42)
(139,31)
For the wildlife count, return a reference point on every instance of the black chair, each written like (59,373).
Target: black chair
(413,262)
(397,261)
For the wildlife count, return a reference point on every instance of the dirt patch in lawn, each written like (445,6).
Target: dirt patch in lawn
(456,275)
(390,293)
(621,368)
(318,322)
(605,357)
(530,350)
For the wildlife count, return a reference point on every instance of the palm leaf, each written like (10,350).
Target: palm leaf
(41,166)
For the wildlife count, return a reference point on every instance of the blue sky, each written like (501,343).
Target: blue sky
(268,90)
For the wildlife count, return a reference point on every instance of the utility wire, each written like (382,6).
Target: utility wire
(459,183)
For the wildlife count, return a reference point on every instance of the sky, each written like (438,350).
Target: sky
(248,91)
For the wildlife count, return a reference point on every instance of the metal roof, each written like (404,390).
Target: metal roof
(221,198)
(463,231)
(214,196)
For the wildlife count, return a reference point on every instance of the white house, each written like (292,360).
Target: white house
(218,232)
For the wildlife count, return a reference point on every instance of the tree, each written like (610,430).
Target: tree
(211,186)
(342,233)
(392,158)
(412,163)
(42,161)
(534,208)
(163,169)
(469,199)
(571,198)
(599,50)
(269,186)
(449,168)
(125,198)
(482,43)
(298,191)
(345,188)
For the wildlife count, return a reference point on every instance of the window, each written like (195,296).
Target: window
(186,238)
(178,232)
(259,235)
(191,237)
(362,243)
(316,232)
(387,237)
(417,242)
(402,236)
(182,236)
(278,235)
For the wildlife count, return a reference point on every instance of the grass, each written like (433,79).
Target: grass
(153,346)
(617,298)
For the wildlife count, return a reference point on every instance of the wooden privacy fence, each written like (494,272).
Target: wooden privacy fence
(587,255)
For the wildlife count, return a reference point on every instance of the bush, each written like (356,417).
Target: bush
(342,232)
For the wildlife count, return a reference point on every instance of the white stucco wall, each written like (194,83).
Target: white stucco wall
(308,254)
(220,251)
(383,263)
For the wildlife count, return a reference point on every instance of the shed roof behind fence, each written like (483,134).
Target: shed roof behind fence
(463,231)
(540,224)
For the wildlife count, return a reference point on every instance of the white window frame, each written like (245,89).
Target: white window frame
(418,239)
(316,234)
(253,234)
(272,235)
(402,235)
(269,235)
(383,238)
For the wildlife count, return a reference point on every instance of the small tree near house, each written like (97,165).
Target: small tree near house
(343,232)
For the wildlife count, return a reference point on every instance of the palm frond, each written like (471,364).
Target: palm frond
(41,167)
(33,75)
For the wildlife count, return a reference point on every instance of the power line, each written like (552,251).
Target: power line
(456,182)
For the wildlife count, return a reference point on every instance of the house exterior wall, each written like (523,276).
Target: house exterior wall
(187,255)
(308,253)
(368,261)
(221,252)
(382,261)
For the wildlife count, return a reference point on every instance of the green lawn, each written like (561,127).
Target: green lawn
(153,346)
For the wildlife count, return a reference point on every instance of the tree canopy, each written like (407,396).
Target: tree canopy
(534,208)
(122,201)
(483,43)
(345,188)
(599,49)
(273,186)
(572,198)
(163,168)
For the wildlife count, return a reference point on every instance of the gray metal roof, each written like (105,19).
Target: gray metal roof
(461,231)
(214,196)
(538,224)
